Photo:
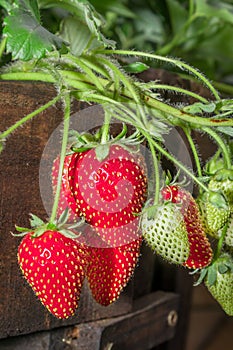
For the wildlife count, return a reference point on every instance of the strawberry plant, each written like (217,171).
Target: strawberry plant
(109,190)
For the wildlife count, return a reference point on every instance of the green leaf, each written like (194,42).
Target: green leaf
(136,67)
(206,10)
(85,13)
(6,4)
(75,32)
(199,107)
(178,15)
(228,130)
(26,38)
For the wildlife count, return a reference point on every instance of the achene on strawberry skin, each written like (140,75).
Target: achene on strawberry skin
(54,266)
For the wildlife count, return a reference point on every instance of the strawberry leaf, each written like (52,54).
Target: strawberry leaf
(136,67)
(83,12)
(26,38)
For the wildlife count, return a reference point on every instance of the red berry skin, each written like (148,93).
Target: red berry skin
(109,193)
(66,199)
(201,253)
(110,269)
(54,266)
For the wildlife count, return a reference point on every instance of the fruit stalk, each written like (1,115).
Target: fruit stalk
(67,103)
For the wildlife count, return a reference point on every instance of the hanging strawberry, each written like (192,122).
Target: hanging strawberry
(109,269)
(109,192)
(165,232)
(54,266)
(200,254)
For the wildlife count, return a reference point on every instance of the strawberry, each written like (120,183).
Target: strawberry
(66,199)
(109,192)
(110,268)
(200,254)
(216,211)
(165,232)
(223,181)
(229,233)
(219,281)
(54,266)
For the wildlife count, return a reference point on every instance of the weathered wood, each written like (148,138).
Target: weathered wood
(151,322)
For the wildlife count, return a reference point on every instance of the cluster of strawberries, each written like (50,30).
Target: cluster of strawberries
(105,249)
(109,194)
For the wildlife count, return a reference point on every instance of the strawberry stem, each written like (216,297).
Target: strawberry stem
(67,103)
(170,60)
(179,164)
(220,243)
(194,150)
(156,175)
(106,126)
(221,143)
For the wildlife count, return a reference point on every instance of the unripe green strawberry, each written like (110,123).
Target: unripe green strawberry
(229,233)
(219,281)
(165,233)
(200,254)
(216,211)
(223,181)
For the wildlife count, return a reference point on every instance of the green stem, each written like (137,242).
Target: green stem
(62,156)
(2,46)
(76,79)
(106,126)
(156,169)
(194,150)
(171,60)
(179,90)
(20,122)
(221,143)
(179,165)
(220,243)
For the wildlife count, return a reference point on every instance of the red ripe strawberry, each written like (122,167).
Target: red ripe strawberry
(66,199)
(110,192)
(110,269)
(54,266)
(200,254)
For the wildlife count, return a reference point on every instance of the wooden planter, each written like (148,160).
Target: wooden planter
(142,318)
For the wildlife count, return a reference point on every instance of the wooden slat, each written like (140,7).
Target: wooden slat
(150,323)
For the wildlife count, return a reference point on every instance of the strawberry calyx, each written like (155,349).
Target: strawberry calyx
(222,265)
(39,227)
(81,142)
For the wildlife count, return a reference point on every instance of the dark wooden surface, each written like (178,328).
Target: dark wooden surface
(151,322)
